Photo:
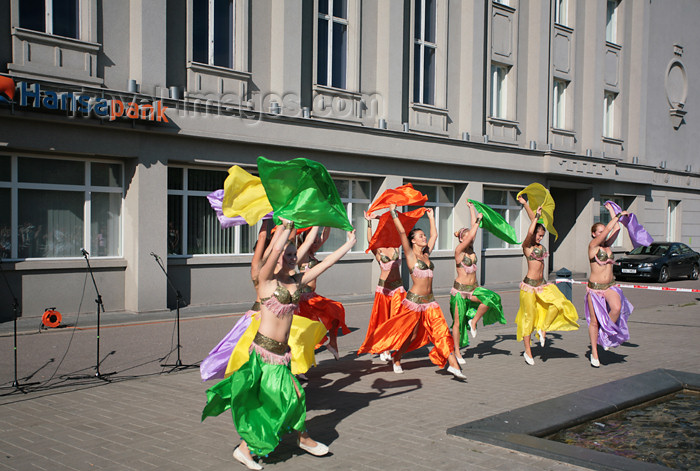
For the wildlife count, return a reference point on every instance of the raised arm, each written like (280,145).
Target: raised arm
(527,243)
(309,239)
(526,205)
(259,249)
(472,213)
(410,257)
(433,230)
(368,218)
(469,237)
(277,245)
(613,226)
(324,237)
(313,273)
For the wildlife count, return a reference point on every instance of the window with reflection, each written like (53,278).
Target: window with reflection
(356,197)
(61,206)
(441,198)
(332,43)
(424,51)
(213,32)
(57,17)
(505,203)
(193,227)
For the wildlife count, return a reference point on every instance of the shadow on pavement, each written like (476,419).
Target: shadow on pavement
(328,395)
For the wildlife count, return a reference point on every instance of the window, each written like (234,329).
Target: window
(424,51)
(355,195)
(60,206)
(193,228)
(499,95)
(611,21)
(332,47)
(505,203)
(559,104)
(561,11)
(213,32)
(672,220)
(442,199)
(57,17)
(605,214)
(609,114)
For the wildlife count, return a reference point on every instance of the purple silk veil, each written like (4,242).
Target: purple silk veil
(215,200)
(638,235)
(214,365)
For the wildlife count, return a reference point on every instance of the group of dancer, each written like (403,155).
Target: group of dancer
(272,346)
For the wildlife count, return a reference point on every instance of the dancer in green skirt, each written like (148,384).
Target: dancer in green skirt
(265,399)
(469,302)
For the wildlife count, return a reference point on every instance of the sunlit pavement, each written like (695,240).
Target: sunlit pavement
(145,416)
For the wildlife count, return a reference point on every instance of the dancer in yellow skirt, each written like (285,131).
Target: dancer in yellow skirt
(542,306)
(303,336)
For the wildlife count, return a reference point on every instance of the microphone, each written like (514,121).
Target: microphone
(154,255)
(84,252)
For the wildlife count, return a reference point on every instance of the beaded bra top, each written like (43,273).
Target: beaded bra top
(603,258)
(282,302)
(388,263)
(538,253)
(423,270)
(467,263)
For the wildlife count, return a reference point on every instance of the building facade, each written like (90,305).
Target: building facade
(118,117)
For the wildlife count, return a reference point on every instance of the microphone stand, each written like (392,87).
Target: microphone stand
(15,310)
(178,299)
(100,309)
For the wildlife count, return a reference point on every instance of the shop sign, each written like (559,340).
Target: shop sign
(31,95)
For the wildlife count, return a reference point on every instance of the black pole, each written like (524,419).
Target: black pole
(15,311)
(100,309)
(178,299)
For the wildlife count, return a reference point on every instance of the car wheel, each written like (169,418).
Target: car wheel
(663,274)
(694,272)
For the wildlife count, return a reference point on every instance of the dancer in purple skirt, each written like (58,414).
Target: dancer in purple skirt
(214,365)
(607,309)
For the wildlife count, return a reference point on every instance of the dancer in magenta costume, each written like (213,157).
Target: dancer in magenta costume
(607,326)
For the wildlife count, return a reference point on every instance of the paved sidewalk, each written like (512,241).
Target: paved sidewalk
(148,417)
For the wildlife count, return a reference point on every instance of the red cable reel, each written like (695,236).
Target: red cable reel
(51,317)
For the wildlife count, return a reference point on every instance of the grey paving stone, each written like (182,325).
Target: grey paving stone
(373,419)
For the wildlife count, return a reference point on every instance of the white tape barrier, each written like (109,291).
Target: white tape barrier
(655,288)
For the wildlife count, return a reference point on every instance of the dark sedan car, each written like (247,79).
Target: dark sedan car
(660,261)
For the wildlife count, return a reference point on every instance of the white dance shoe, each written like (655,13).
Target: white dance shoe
(456,372)
(595,363)
(319,450)
(541,334)
(528,359)
(244,460)
(397,368)
(472,328)
(333,351)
